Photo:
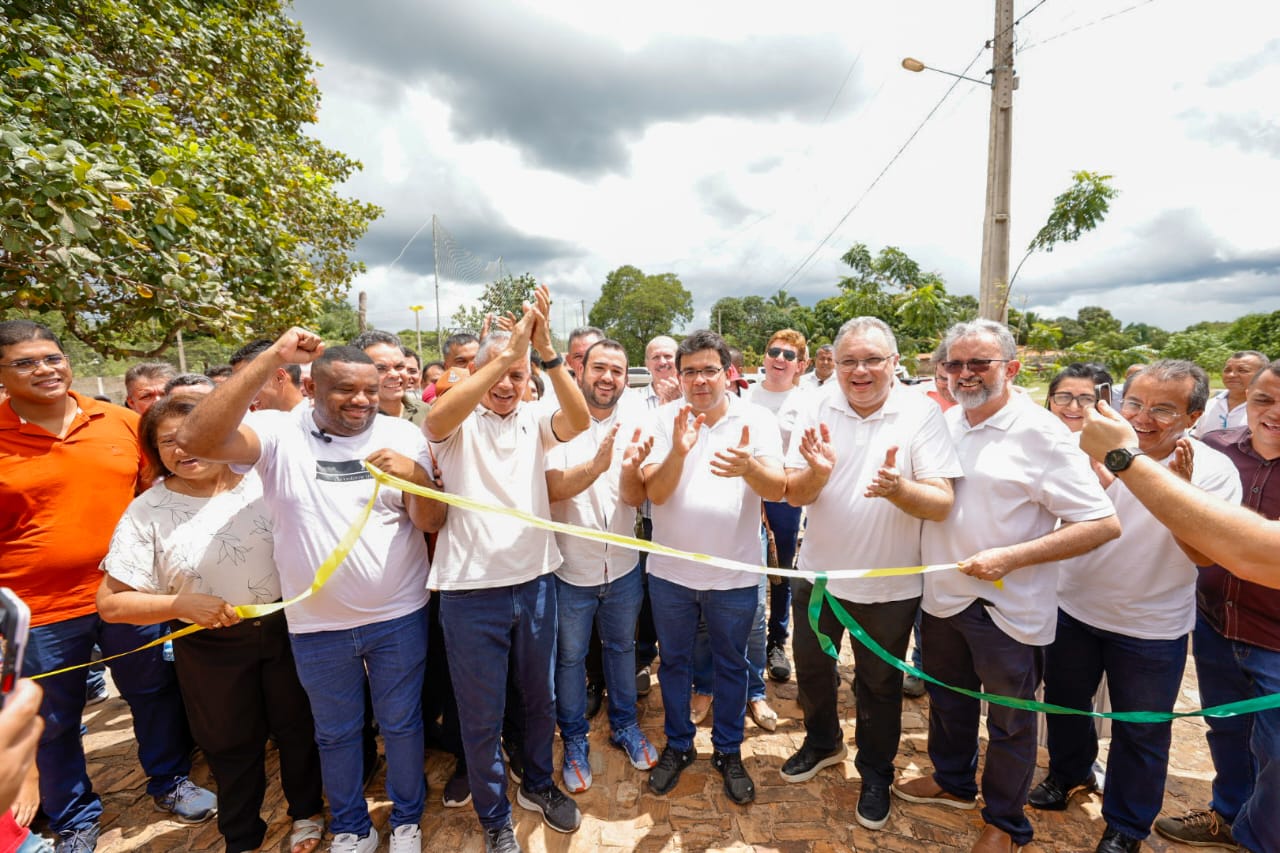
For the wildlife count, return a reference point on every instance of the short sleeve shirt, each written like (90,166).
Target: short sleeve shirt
(706,513)
(885,536)
(314,486)
(588,562)
(169,543)
(1024,472)
(501,461)
(1142,585)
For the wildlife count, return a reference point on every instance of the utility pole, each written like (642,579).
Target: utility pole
(417,326)
(994,277)
(362,309)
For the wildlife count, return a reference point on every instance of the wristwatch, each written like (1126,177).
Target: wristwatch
(552,363)
(1121,458)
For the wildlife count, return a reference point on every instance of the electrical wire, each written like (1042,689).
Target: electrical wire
(1086,25)
(902,148)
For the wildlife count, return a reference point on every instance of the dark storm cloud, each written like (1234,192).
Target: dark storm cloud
(567,100)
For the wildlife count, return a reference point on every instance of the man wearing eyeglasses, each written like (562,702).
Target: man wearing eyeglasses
(1125,609)
(714,457)
(69,466)
(1028,498)
(872,462)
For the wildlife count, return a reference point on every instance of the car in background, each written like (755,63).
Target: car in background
(638,377)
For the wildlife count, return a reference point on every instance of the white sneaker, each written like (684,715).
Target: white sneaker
(406,838)
(349,842)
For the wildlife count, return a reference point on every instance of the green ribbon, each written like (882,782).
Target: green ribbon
(1231,709)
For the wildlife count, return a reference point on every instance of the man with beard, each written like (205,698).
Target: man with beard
(597,583)
(368,623)
(1028,498)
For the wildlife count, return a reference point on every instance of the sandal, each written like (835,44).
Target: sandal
(306,835)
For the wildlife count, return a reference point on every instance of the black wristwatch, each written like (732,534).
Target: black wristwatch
(553,362)
(1121,458)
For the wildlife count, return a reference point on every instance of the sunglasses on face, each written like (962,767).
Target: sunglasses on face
(779,352)
(973,365)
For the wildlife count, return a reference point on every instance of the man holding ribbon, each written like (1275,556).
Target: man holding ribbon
(1027,499)
(368,620)
(875,458)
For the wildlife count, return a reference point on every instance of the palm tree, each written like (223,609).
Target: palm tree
(784,300)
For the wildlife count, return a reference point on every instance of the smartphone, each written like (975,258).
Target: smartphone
(1103,392)
(15,622)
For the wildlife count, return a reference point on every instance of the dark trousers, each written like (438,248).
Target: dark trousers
(240,684)
(784,523)
(145,680)
(969,650)
(1142,675)
(877,687)
(646,634)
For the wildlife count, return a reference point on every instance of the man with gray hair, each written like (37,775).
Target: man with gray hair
(1131,625)
(1028,498)
(497,591)
(144,384)
(877,458)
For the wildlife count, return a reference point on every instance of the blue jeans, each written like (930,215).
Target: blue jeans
(146,681)
(704,682)
(613,607)
(332,667)
(784,521)
(969,650)
(487,631)
(1142,675)
(1245,749)
(728,614)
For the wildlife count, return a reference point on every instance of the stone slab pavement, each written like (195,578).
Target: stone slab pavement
(620,814)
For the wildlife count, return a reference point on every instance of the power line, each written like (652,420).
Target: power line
(1086,25)
(886,168)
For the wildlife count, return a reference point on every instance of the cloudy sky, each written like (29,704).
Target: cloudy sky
(723,141)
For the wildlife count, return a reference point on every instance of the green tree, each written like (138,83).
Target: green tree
(1044,337)
(155,175)
(634,308)
(1203,346)
(505,296)
(1097,321)
(784,300)
(1079,209)
(747,322)
(1259,332)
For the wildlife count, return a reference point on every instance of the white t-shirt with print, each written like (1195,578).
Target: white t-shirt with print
(168,542)
(314,488)
(846,530)
(706,513)
(1024,472)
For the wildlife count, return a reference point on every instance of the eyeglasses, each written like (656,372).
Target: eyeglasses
(872,363)
(1066,398)
(23,366)
(779,352)
(973,365)
(1159,414)
(707,373)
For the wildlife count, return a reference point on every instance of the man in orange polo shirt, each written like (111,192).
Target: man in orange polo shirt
(69,465)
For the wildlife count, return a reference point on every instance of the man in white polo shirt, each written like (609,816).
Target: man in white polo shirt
(714,457)
(1028,498)
(598,583)
(497,593)
(877,459)
(369,622)
(1132,623)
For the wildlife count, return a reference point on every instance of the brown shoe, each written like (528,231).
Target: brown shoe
(925,790)
(995,840)
(699,705)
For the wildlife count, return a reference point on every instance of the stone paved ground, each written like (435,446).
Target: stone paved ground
(619,814)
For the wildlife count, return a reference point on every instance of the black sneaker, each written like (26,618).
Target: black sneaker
(457,791)
(779,666)
(501,839)
(671,764)
(558,811)
(806,763)
(644,681)
(737,784)
(1053,794)
(595,698)
(873,805)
